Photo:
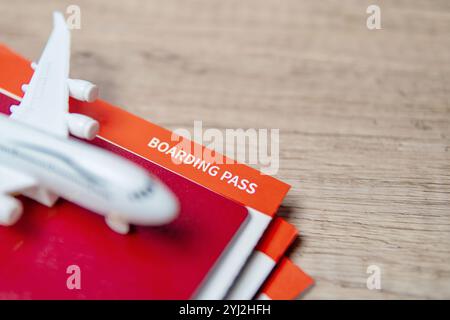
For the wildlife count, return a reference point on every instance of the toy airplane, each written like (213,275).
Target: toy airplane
(40,161)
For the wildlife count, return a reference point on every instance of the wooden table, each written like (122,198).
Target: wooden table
(364,115)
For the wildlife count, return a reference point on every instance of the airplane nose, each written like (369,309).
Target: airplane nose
(162,207)
(169,204)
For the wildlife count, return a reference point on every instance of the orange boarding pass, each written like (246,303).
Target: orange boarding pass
(276,240)
(287,282)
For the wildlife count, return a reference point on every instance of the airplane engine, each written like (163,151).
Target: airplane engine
(78,89)
(82,90)
(82,126)
(10,210)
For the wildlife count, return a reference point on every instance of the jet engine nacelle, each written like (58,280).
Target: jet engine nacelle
(82,90)
(10,210)
(82,126)
(78,89)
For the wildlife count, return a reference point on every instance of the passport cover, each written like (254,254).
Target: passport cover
(167,262)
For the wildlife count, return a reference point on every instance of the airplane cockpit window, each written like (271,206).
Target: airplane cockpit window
(143,192)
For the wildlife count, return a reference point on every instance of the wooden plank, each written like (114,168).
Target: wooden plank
(364,116)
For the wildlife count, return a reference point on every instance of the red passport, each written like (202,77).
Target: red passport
(167,262)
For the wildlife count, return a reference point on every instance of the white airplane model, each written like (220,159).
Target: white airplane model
(40,161)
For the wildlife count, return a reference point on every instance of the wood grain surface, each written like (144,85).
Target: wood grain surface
(364,116)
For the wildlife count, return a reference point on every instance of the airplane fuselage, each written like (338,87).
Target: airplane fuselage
(86,175)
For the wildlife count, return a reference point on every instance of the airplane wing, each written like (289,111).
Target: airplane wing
(46,100)
(12,182)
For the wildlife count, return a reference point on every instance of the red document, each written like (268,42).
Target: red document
(167,262)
